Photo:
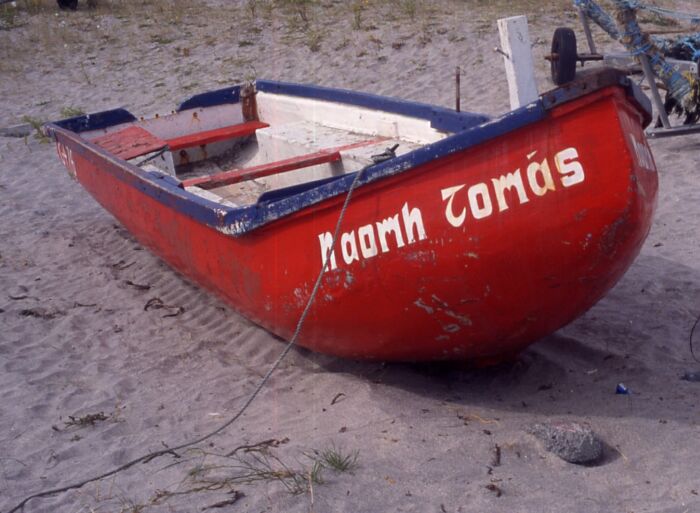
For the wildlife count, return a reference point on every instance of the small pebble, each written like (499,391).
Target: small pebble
(571,441)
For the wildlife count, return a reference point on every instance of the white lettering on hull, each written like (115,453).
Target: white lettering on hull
(482,200)
(361,244)
(510,188)
(507,182)
(66,156)
(539,172)
(643,154)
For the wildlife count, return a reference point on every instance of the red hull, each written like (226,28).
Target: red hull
(472,273)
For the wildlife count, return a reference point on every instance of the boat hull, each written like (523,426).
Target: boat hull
(474,255)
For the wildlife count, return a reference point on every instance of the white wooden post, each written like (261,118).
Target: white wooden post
(520,70)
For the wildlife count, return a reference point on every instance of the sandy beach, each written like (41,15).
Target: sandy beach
(90,378)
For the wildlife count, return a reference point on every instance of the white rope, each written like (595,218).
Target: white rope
(292,342)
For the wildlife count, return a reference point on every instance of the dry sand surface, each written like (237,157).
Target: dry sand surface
(75,339)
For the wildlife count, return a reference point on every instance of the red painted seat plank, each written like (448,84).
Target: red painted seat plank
(215,135)
(280,166)
(130,142)
(271,168)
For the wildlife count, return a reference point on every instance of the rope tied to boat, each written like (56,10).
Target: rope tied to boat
(683,89)
(669,46)
(685,47)
(696,52)
(596,13)
(386,155)
(638,43)
(690,340)
(663,12)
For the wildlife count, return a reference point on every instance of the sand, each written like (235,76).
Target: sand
(76,339)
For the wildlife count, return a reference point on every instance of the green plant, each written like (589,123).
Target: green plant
(252,6)
(358,6)
(71,112)
(313,40)
(8,17)
(254,464)
(32,6)
(409,8)
(37,124)
(161,39)
(335,459)
(300,7)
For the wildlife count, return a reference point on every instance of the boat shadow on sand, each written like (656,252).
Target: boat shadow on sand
(638,335)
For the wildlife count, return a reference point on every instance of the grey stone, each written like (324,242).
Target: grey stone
(571,441)
(16,131)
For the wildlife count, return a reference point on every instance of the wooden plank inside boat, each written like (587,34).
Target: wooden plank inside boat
(215,135)
(271,168)
(130,142)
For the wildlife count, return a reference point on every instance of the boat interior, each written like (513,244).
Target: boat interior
(262,142)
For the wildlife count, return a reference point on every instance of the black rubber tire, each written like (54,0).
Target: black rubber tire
(564,46)
(68,4)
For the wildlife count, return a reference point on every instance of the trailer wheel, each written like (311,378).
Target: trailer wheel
(564,56)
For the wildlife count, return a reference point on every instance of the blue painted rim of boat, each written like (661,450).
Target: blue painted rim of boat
(96,121)
(440,118)
(285,192)
(161,187)
(212,98)
(241,220)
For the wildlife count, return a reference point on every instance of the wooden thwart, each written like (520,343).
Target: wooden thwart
(134,141)
(280,166)
(271,168)
(216,135)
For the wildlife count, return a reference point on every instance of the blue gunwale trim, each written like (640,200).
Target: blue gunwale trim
(238,221)
(440,118)
(163,188)
(97,120)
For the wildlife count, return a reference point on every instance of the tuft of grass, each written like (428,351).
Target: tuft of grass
(255,465)
(358,6)
(335,459)
(72,112)
(32,6)
(300,7)
(409,8)
(161,39)
(36,124)
(314,39)
(252,6)
(8,17)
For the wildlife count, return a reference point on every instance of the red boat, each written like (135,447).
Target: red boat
(470,240)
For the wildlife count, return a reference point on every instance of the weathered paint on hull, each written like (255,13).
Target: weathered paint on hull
(472,284)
